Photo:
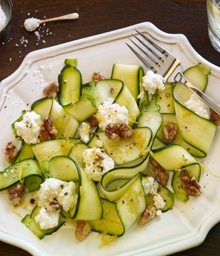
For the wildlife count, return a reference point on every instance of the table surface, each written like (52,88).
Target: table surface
(174,16)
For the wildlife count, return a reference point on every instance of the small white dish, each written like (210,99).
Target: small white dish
(5,15)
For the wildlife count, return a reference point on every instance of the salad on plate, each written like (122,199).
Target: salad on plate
(107,154)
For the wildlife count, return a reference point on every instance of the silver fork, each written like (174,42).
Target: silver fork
(160,61)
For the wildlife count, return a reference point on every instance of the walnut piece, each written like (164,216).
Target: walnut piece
(10,152)
(97,76)
(99,157)
(54,205)
(15,194)
(51,90)
(117,131)
(214,116)
(159,172)
(47,131)
(189,184)
(92,121)
(148,214)
(82,229)
(169,132)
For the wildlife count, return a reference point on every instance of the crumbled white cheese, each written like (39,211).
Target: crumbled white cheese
(66,198)
(31,24)
(111,113)
(29,127)
(47,219)
(153,82)
(64,193)
(99,143)
(97,163)
(84,130)
(159,213)
(158,201)
(197,106)
(150,185)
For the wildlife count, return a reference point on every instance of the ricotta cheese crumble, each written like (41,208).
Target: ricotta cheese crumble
(84,130)
(153,82)
(111,113)
(97,163)
(29,127)
(197,106)
(54,190)
(151,186)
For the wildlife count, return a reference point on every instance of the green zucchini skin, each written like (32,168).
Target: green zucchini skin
(48,149)
(25,151)
(151,119)
(75,109)
(26,171)
(131,75)
(113,189)
(169,118)
(110,223)
(76,153)
(123,212)
(165,99)
(88,200)
(194,129)
(132,203)
(65,123)
(198,75)
(120,153)
(167,196)
(70,83)
(181,159)
(42,107)
(180,194)
(34,227)
(61,167)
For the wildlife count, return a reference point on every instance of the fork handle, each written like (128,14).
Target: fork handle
(204,97)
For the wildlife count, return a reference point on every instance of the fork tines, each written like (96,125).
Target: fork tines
(150,53)
(156,46)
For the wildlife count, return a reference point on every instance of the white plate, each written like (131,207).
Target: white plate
(185,226)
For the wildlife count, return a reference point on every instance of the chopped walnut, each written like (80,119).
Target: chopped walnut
(15,194)
(159,172)
(117,131)
(99,157)
(51,90)
(10,152)
(169,132)
(92,121)
(148,214)
(47,131)
(214,116)
(189,184)
(54,205)
(97,76)
(82,230)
